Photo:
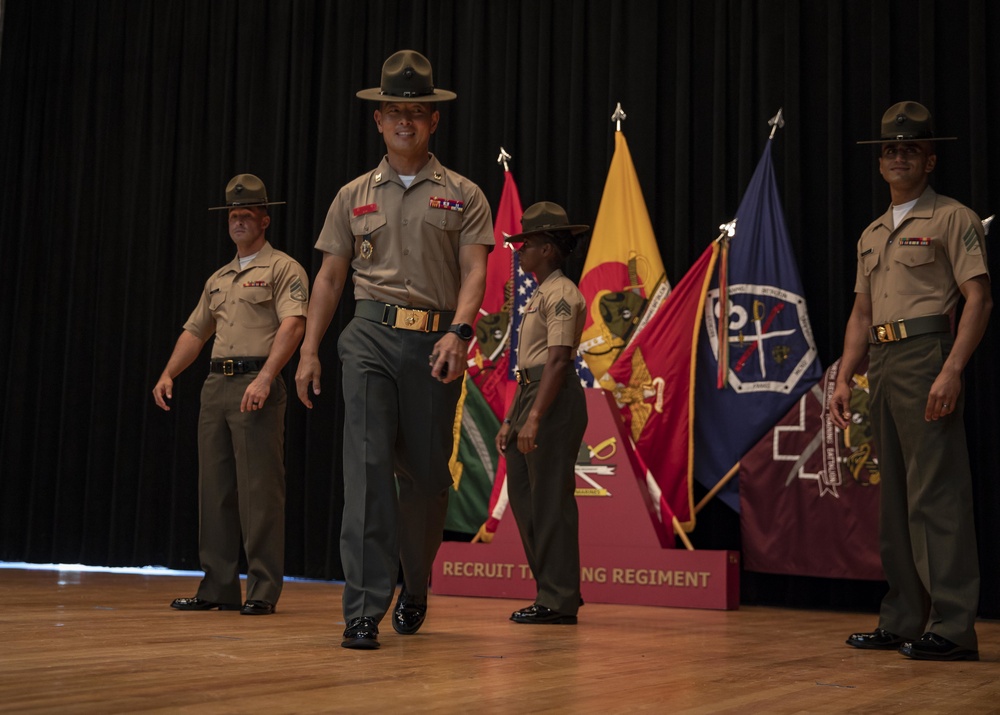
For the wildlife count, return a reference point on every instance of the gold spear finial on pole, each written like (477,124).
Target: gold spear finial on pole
(503,158)
(618,117)
(776,122)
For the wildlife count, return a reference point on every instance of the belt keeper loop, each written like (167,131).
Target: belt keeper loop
(385,314)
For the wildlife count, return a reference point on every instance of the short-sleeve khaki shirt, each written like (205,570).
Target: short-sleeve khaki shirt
(553,317)
(916,269)
(244,307)
(403,242)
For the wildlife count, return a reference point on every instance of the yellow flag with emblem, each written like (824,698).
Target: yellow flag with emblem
(623,266)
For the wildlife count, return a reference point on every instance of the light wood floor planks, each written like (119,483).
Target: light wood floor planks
(106,642)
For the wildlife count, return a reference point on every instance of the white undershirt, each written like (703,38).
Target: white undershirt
(899,212)
(407,180)
(244,260)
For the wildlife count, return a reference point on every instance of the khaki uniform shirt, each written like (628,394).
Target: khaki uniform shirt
(244,307)
(554,316)
(916,269)
(413,234)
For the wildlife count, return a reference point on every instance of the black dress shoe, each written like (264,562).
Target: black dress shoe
(408,615)
(879,639)
(540,614)
(933,647)
(361,633)
(257,608)
(200,604)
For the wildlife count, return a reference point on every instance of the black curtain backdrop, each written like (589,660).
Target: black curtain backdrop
(122,120)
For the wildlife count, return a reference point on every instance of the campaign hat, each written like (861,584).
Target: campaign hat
(245,190)
(407,76)
(907,122)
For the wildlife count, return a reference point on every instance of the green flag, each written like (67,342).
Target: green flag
(475,462)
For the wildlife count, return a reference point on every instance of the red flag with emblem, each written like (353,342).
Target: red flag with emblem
(488,352)
(652,382)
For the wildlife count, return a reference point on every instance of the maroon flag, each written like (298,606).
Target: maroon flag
(809,493)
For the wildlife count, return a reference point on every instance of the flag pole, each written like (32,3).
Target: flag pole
(727,231)
(679,530)
(717,488)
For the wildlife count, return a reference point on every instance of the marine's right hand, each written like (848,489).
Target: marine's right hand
(163,390)
(840,405)
(308,372)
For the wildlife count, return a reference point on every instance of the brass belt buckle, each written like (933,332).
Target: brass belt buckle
(882,333)
(227,368)
(410,319)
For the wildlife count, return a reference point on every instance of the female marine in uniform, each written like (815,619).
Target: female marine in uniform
(542,432)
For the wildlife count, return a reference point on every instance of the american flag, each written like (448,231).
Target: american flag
(524,287)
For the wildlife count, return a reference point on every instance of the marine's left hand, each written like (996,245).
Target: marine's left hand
(256,394)
(448,359)
(943,397)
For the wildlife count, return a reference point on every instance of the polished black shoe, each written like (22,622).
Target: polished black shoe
(408,615)
(933,647)
(879,639)
(361,633)
(257,608)
(200,604)
(540,614)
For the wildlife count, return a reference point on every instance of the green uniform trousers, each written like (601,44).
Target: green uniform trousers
(241,482)
(926,528)
(397,443)
(541,486)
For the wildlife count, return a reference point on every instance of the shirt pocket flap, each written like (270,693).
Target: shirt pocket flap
(914,255)
(444,219)
(257,295)
(367,223)
(216,299)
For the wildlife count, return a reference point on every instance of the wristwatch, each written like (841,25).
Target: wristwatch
(462,330)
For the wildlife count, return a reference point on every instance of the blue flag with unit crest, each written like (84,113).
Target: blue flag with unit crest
(766,345)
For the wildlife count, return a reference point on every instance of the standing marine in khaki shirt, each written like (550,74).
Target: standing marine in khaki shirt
(914,263)
(416,236)
(543,430)
(255,307)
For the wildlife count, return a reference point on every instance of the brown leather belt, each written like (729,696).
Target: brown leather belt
(529,375)
(908,328)
(236,366)
(398,316)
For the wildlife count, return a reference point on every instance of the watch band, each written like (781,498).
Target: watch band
(462,330)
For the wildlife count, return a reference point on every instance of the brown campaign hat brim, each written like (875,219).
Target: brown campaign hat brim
(575,229)
(903,140)
(375,94)
(248,204)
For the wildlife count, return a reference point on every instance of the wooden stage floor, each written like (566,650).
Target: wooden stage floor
(104,642)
